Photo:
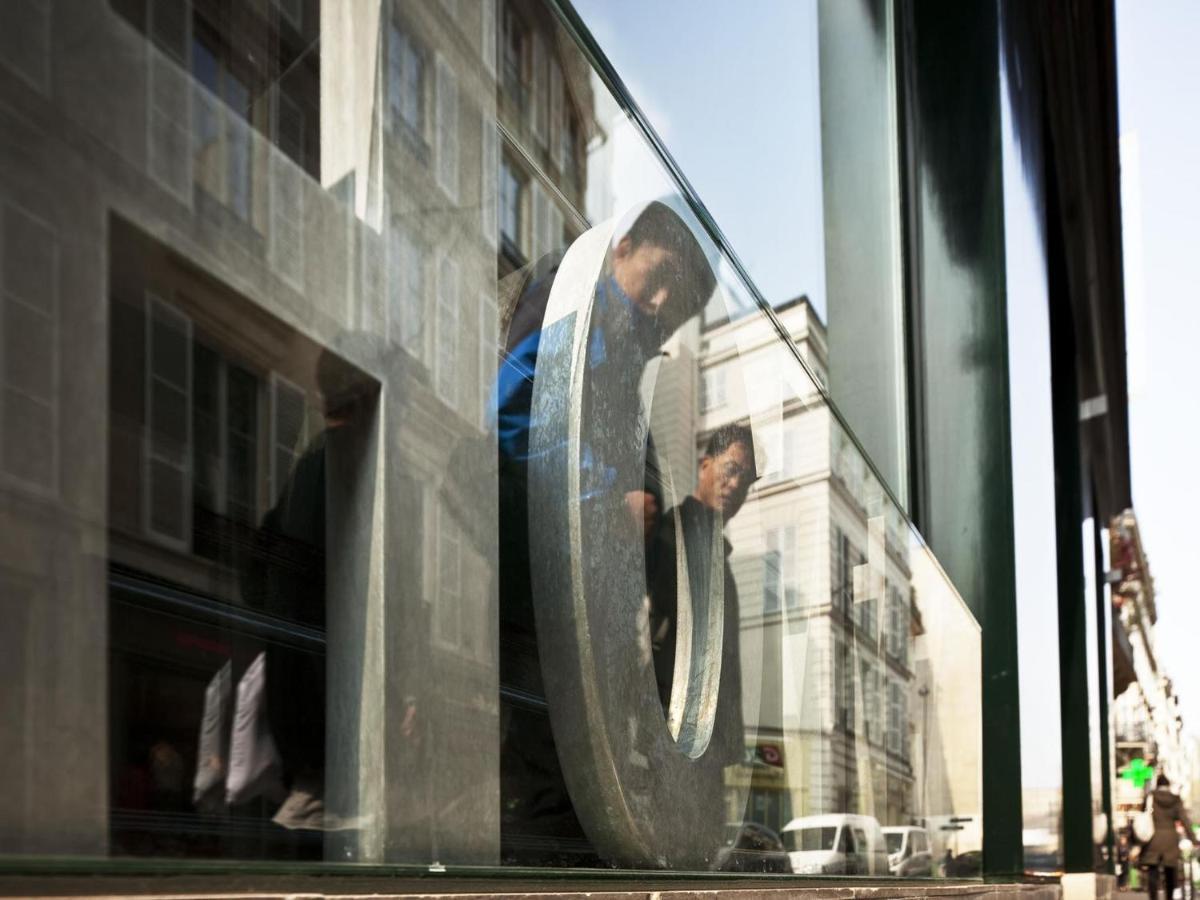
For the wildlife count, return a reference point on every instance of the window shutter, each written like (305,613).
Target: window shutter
(168,489)
(446,362)
(447,128)
(557,123)
(541,212)
(554,227)
(538,86)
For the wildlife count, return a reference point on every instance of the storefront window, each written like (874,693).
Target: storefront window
(399,467)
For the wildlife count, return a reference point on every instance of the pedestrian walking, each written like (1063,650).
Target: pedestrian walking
(1163,848)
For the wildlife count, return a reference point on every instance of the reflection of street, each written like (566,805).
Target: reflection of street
(866,660)
(285,552)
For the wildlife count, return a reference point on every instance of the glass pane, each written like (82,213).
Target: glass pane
(464,502)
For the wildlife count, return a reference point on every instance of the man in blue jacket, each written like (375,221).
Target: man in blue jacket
(656,277)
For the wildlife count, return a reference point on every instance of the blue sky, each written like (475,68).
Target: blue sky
(698,70)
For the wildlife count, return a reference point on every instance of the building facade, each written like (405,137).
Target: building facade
(383,413)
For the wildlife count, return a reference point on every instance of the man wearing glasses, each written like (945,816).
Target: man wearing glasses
(727,470)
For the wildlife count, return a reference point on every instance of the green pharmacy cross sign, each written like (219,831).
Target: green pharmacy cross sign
(1137,772)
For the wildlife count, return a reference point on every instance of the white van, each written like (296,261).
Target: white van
(836,844)
(908,849)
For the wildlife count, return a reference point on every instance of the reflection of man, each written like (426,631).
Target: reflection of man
(656,278)
(727,471)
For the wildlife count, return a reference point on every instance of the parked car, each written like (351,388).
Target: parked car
(836,844)
(908,850)
(754,848)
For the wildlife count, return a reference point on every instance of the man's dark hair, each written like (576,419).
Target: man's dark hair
(728,435)
(661,226)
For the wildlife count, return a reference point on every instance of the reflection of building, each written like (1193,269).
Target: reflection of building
(1145,710)
(248,282)
(295,221)
(545,109)
(822,560)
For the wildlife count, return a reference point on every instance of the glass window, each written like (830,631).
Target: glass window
(712,389)
(510,206)
(406,81)
(513,51)
(406,291)
(169,394)
(425,484)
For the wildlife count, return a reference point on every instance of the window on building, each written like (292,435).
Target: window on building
(406,82)
(866,617)
(872,702)
(242,65)
(839,684)
(845,559)
(225,441)
(570,146)
(514,37)
(511,188)
(546,221)
(843,684)
(712,389)
(897,722)
(447,128)
(167,491)
(222,137)
(790,450)
(780,576)
(238,137)
(897,619)
(772,577)
(538,82)
(558,113)
(446,377)
(406,291)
